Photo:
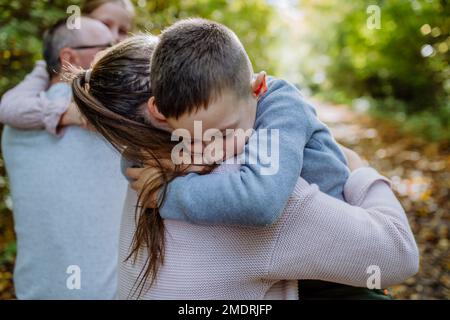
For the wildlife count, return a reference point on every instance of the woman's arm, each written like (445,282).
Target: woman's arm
(327,239)
(27,107)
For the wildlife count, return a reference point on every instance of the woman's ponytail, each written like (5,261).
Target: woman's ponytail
(113,98)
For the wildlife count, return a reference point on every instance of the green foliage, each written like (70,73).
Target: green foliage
(8,254)
(386,64)
(250,19)
(21,29)
(24,22)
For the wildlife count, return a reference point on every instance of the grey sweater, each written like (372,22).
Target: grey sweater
(67,195)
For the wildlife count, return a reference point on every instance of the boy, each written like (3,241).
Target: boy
(201,72)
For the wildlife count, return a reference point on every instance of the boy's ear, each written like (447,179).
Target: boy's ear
(155,117)
(259,84)
(154,112)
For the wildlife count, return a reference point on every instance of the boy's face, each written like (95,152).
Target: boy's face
(225,112)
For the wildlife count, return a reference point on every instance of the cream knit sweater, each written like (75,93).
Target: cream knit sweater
(317,237)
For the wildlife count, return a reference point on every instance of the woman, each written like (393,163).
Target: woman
(117,15)
(318,237)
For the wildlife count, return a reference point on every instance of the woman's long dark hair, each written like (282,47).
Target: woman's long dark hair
(114,103)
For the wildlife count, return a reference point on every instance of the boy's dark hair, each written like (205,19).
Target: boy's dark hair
(194,62)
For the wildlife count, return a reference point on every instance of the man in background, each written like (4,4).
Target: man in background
(66,185)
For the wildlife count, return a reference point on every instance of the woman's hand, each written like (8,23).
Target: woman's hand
(354,161)
(142,175)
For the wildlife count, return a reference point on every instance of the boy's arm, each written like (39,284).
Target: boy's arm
(26,106)
(249,196)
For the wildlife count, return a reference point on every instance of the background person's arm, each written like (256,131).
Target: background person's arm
(327,239)
(27,107)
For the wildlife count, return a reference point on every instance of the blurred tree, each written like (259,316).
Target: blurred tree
(22,24)
(251,20)
(402,67)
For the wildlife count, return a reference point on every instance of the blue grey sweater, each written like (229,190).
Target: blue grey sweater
(249,197)
(68,195)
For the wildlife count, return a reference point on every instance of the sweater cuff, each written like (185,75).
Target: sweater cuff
(40,68)
(53,113)
(359,183)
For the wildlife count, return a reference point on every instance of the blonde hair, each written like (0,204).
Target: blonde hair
(92,5)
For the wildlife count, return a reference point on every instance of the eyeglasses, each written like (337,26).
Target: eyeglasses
(98,46)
